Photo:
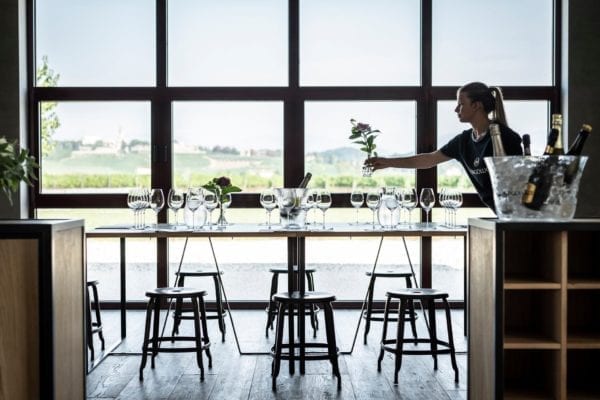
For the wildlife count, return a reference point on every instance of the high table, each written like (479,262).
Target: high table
(296,241)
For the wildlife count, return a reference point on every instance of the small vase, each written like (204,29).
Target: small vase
(221,221)
(367,171)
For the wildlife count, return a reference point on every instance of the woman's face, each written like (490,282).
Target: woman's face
(465,108)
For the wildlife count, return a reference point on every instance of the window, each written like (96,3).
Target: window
(172,93)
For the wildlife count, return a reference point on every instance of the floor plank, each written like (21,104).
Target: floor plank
(235,376)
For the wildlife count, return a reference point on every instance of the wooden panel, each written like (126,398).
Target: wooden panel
(481,313)
(68,280)
(19,316)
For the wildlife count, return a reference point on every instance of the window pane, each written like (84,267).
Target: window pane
(356,43)
(227,43)
(498,42)
(97,42)
(336,162)
(95,146)
(524,116)
(241,140)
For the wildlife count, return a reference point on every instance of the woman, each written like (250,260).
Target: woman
(478,105)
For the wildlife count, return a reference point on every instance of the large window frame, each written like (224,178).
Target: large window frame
(293,97)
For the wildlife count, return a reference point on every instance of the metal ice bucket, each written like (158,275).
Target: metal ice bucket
(291,212)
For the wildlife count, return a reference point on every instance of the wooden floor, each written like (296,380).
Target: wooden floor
(235,376)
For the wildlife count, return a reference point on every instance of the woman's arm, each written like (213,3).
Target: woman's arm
(419,161)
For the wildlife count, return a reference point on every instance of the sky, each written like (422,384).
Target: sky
(240,42)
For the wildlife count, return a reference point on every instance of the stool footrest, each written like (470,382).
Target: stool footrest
(172,350)
(308,355)
(392,349)
(210,314)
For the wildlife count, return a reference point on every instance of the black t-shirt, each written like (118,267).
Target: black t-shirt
(470,154)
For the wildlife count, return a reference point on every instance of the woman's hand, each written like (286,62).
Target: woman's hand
(377,162)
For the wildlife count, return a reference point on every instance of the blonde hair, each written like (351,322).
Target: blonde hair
(490,97)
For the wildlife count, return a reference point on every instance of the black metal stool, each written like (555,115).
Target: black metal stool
(293,303)
(152,344)
(272,307)
(93,326)
(368,313)
(218,313)
(427,298)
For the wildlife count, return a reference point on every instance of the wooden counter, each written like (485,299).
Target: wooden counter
(42,303)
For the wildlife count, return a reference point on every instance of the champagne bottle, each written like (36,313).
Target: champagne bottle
(558,143)
(497,141)
(304,183)
(540,180)
(526,145)
(575,150)
(577,145)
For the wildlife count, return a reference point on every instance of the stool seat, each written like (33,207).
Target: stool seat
(199,273)
(417,294)
(175,292)
(389,274)
(284,270)
(297,298)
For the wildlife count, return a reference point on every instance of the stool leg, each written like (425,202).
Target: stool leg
(433,332)
(451,340)
(205,338)
(314,322)
(331,343)
(302,336)
(198,336)
(399,339)
(386,313)
(98,317)
(272,306)
(369,307)
(291,335)
(88,323)
(219,302)
(146,335)
(411,310)
(278,344)
(155,327)
(178,309)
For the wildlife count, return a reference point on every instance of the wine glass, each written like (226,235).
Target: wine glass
(427,200)
(210,203)
(286,200)
(175,201)
(373,199)
(356,199)
(324,202)
(132,206)
(454,202)
(311,202)
(193,203)
(409,201)
(157,202)
(268,201)
(391,203)
(225,203)
(443,197)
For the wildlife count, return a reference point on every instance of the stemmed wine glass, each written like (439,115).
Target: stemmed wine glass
(427,200)
(210,203)
(193,203)
(131,203)
(268,201)
(373,199)
(409,201)
(391,203)
(157,202)
(454,202)
(175,201)
(356,199)
(324,202)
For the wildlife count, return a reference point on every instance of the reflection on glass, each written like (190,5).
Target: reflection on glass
(359,43)
(521,55)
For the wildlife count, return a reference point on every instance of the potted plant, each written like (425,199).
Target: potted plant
(364,135)
(221,187)
(16,166)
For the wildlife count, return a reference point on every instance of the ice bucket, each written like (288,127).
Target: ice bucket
(291,210)
(557,176)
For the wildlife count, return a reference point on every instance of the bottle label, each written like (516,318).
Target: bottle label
(529,193)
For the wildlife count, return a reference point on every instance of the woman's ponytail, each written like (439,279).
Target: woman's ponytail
(499,114)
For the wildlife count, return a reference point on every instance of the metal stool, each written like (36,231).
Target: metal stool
(152,344)
(272,307)
(93,326)
(295,301)
(368,313)
(218,313)
(427,297)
